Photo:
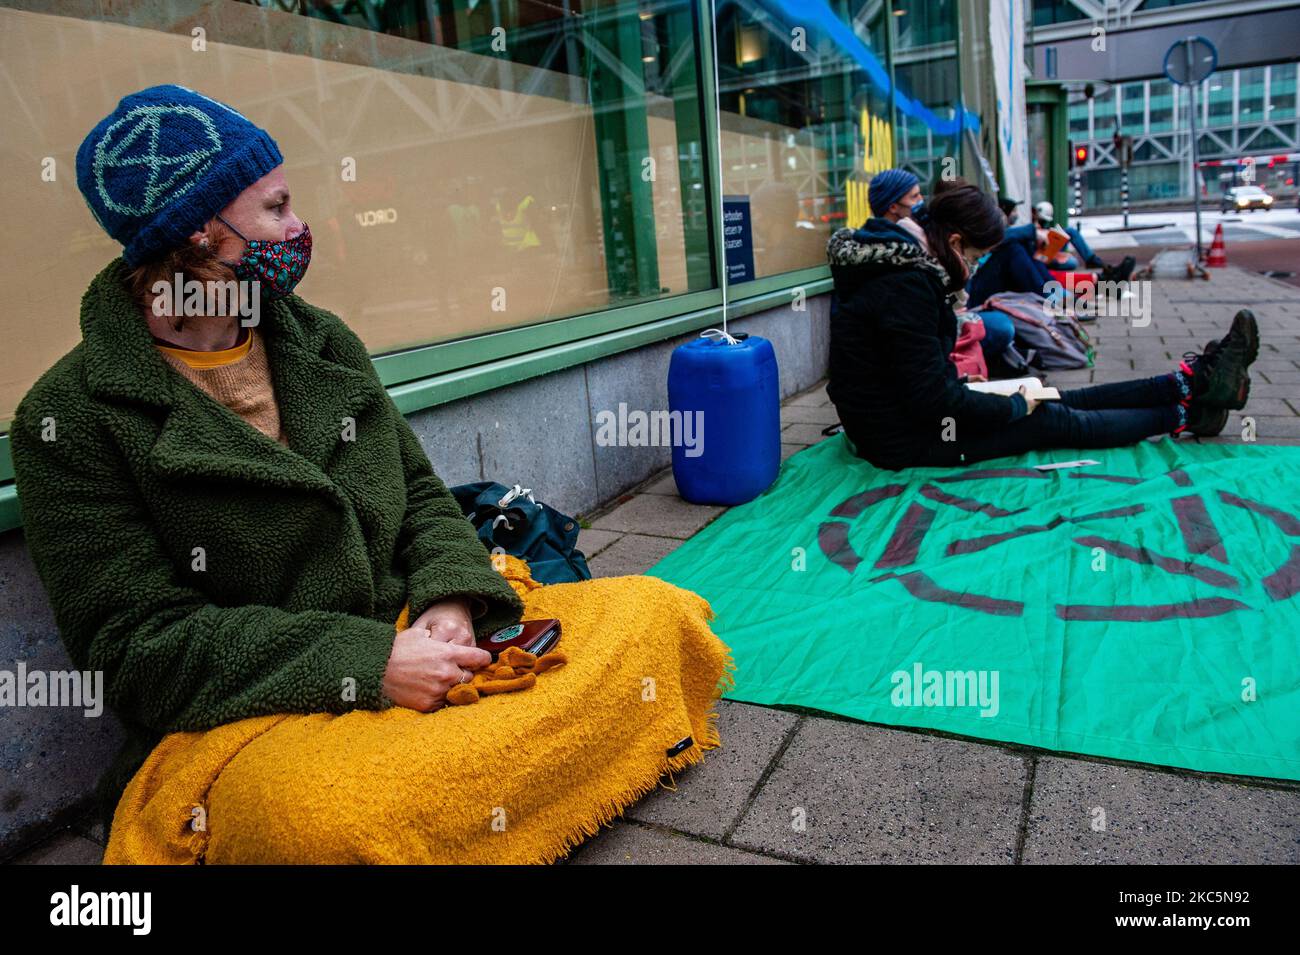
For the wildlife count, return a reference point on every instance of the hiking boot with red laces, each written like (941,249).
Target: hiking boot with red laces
(1204,420)
(1219,376)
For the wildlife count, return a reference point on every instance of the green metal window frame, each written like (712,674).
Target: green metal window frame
(1052,93)
(430,375)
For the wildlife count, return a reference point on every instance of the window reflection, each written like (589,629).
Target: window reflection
(515,162)
(806,94)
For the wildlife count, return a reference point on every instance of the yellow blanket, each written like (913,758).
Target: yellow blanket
(516,778)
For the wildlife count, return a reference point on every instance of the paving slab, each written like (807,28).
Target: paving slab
(591,541)
(64,848)
(821,415)
(1290,393)
(1268,427)
(813,398)
(867,794)
(631,554)
(1267,365)
(803,433)
(658,514)
(92,827)
(630,844)
(1261,406)
(665,484)
(1149,352)
(711,796)
(1092,812)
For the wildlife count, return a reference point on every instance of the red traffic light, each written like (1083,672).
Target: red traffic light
(1080,155)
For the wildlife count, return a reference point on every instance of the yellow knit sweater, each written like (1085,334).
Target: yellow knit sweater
(238,377)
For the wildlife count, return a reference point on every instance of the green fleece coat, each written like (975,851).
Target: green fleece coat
(210,572)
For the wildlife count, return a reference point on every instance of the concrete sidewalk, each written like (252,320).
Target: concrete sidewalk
(876,794)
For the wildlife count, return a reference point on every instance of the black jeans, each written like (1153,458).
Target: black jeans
(1103,416)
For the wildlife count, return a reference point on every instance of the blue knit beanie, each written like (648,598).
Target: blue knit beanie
(164,163)
(888,187)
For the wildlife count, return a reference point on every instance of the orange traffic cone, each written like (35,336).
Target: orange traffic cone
(1218,257)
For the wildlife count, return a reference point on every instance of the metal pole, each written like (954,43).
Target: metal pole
(1196,186)
(1124,192)
(722,189)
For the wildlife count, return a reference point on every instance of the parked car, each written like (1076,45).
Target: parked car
(1245,197)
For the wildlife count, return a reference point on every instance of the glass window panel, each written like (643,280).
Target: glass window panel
(928,78)
(1210,147)
(1281,92)
(919,23)
(1047,12)
(923,142)
(1147,182)
(1133,116)
(1078,117)
(1219,89)
(1250,95)
(557,172)
(801,121)
(1161,105)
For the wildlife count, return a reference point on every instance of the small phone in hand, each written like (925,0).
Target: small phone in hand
(535,636)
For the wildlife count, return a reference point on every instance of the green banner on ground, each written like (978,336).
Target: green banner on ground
(1142,608)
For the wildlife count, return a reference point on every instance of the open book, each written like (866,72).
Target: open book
(1056,241)
(1009,386)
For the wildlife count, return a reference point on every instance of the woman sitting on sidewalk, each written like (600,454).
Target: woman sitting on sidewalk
(899,396)
(236,523)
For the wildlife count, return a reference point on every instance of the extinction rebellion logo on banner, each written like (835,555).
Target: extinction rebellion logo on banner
(1201,539)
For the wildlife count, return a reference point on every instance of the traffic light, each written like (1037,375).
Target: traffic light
(1081,156)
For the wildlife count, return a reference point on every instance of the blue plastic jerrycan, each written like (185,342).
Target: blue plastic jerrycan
(730,388)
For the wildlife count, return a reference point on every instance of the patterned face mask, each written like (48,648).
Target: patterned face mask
(971,267)
(278,266)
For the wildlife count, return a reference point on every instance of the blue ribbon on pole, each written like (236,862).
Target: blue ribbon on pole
(820,15)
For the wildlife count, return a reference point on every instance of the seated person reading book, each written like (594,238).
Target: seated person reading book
(899,395)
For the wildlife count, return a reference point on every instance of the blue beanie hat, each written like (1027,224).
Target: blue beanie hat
(164,163)
(888,187)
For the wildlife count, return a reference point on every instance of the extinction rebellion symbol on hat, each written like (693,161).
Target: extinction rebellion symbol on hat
(133,141)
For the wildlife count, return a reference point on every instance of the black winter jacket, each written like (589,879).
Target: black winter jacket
(892,330)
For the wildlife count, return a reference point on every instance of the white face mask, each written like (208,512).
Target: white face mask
(971,266)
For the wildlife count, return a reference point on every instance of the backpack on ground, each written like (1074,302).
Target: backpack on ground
(1050,339)
(509,518)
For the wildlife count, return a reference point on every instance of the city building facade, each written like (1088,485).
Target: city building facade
(1110,58)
